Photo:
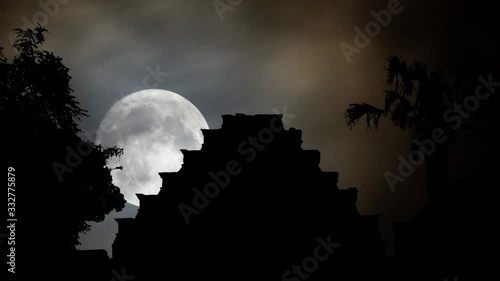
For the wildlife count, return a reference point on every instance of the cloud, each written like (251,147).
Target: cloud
(265,54)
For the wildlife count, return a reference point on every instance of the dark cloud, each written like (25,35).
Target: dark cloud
(265,55)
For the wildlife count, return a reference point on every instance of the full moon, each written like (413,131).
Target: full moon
(151,126)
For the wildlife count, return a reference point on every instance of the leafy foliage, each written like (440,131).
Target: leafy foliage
(41,114)
(415,103)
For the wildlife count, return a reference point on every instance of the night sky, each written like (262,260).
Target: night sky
(279,54)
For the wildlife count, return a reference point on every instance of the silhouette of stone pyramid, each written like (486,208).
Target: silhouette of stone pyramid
(250,202)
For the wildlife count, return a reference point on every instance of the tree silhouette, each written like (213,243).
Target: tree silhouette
(415,104)
(64,180)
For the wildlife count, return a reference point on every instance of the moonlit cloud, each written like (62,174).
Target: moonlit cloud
(265,54)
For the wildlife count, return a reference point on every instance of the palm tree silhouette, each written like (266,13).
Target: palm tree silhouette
(415,104)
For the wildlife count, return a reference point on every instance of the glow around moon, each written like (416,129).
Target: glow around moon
(151,126)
